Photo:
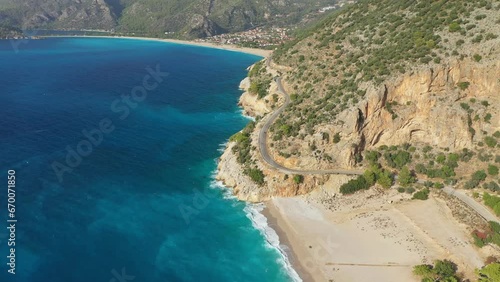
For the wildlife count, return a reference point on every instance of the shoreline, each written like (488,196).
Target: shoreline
(274,222)
(253,51)
(369,236)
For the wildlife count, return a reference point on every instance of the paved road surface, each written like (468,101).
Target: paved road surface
(480,209)
(265,152)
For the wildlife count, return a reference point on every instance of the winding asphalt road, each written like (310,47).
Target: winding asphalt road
(264,151)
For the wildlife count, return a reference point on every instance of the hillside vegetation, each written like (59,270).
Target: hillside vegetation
(396,87)
(185,18)
(374,40)
(9,32)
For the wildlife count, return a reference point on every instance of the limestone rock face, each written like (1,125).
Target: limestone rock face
(230,172)
(202,26)
(252,106)
(425,107)
(428,106)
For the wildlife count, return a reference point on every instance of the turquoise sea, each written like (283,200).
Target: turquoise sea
(114,163)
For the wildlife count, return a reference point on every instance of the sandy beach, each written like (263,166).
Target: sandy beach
(253,51)
(371,236)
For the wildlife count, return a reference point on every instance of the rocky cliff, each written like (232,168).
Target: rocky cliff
(231,172)
(428,104)
(425,109)
(377,73)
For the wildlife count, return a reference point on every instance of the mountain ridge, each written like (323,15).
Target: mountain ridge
(187,18)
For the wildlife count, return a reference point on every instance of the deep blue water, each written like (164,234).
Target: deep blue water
(142,200)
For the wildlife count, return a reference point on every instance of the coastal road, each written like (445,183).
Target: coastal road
(479,208)
(264,150)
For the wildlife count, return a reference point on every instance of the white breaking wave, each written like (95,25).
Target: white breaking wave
(222,147)
(259,222)
(226,192)
(241,112)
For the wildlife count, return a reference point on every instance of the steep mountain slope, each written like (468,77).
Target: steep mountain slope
(388,85)
(194,18)
(78,14)
(9,32)
(388,72)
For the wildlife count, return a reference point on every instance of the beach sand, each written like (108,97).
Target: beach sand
(253,51)
(364,237)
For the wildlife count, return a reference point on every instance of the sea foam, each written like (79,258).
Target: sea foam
(259,222)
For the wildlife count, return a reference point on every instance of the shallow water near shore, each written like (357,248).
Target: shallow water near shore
(141,202)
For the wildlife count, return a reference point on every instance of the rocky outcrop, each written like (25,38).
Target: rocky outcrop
(252,106)
(427,105)
(230,172)
(422,107)
(202,26)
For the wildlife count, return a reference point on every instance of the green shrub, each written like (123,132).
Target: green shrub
(471,184)
(255,70)
(370,177)
(490,141)
(422,194)
(454,27)
(487,117)
(420,168)
(298,179)
(384,179)
(492,202)
(256,175)
(440,158)
(424,271)
(428,184)
(464,85)
(239,137)
(479,175)
(372,156)
(492,186)
(438,185)
(495,226)
(398,159)
(477,39)
(354,185)
(443,270)
(489,273)
(405,176)
(477,57)
(336,138)
(492,170)
(478,241)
